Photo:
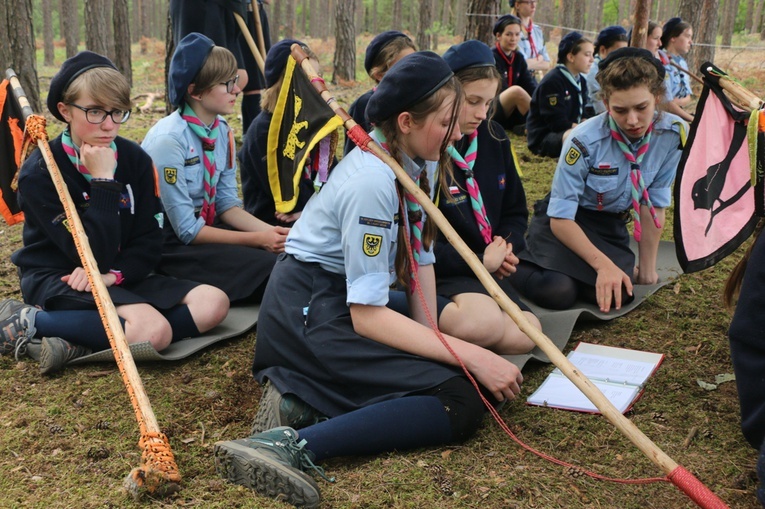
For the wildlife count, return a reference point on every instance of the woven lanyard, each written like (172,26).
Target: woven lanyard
(74,154)
(509,62)
(578,85)
(476,201)
(533,47)
(639,189)
(208,137)
(413,218)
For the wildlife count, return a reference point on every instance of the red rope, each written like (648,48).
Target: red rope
(491,408)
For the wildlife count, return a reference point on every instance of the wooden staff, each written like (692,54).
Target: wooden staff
(679,476)
(159,473)
(251,43)
(259,28)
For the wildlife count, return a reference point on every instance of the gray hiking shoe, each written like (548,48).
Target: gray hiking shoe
(275,410)
(273,463)
(17,327)
(56,352)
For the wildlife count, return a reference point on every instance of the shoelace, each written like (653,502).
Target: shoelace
(21,346)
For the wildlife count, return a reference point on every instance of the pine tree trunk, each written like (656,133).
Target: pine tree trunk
(345,42)
(47,33)
(61,19)
(396,16)
(289,19)
(640,30)
(315,19)
(71,26)
(423,29)
(577,8)
(702,15)
(109,27)
(479,27)
(122,39)
(729,21)
(757,17)
(374,17)
(17,44)
(359,14)
(95,27)
(169,50)
(276,19)
(135,21)
(460,17)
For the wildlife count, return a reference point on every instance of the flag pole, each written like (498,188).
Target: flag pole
(250,42)
(678,475)
(258,28)
(158,475)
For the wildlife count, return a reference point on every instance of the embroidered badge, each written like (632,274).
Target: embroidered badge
(604,170)
(192,161)
(553,100)
(501,181)
(372,244)
(454,190)
(371,221)
(582,148)
(572,156)
(171,175)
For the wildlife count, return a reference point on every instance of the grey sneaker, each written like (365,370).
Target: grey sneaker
(273,463)
(56,352)
(275,410)
(17,326)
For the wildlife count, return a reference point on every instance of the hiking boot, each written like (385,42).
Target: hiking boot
(273,463)
(275,410)
(56,352)
(17,326)
(33,348)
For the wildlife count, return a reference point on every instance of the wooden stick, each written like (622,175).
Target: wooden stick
(686,71)
(138,397)
(259,28)
(746,99)
(608,410)
(251,43)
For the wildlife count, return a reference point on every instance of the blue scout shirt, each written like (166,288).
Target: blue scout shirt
(177,154)
(591,163)
(539,42)
(593,88)
(351,226)
(679,81)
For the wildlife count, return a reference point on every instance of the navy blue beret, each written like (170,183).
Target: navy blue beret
(470,53)
(70,69)
(503,21)
(671,24)
(512,3)
(412,79)
(567,44)
(632,52)
(188,59)
(610,35)
(377,44)
(276,60)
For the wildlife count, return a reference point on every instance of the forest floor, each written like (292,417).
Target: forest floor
(69,440)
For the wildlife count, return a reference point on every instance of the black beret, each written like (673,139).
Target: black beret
(276,60)
(377,44)
(188,59)
(610,35)
(671,24)
(470,53)
(512,3)
(412,79)
(503,21)
(632,52)
(71,68)
(567,44)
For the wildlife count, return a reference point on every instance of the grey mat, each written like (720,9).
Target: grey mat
(558,325)
(240,319)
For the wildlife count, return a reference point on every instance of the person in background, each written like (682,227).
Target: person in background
(516,84)
(676,41)
(609,39)
(532,43)
(251,91)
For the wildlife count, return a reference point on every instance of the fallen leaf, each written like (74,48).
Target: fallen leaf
(677,288)
(706,386)
(188,440)
(724,377)
(445,455)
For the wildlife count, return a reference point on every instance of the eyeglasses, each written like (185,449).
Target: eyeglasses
(230,84)
(98,115)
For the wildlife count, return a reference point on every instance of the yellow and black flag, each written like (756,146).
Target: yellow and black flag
(303,125)
(11,140)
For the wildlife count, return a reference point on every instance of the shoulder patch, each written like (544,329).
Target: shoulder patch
(581,146)
(553,99)
(572,156)
(372,244)
(171,175)
(371,221)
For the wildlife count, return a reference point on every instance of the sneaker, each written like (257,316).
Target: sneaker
(17,327)
(56,352)
(273,463)
(275,410)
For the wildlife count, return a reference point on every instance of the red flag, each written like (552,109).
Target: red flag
(11,137)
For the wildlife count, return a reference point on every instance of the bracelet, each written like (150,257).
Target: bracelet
(118,275)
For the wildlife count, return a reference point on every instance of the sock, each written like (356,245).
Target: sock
(80,327)
(181,322)
(398,424)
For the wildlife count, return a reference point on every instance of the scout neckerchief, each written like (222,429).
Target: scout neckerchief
(532,46)
(74,154)
(509,62)
(578,84)
(639,189)
(476,201)
(413,219)
(208,137)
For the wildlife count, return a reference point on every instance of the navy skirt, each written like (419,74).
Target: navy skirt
(606,230)
(306,346)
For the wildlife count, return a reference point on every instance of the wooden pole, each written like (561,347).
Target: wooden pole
(608,410)
(158,469)
(250,42)
(259,28)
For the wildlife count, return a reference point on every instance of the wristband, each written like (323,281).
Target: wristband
(118,275)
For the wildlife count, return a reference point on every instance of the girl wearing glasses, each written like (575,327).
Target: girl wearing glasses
(114,189)
(211,239)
